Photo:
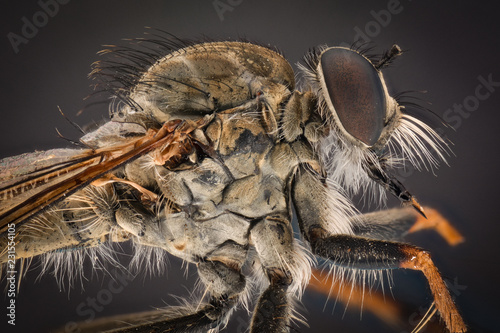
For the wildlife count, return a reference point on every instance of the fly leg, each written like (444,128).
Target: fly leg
(273,240)
(395,224)
(367,249)
(272,313)
(441,225)
(371,254)
(391,225)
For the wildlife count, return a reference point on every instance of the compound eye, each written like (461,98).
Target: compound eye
(356,92)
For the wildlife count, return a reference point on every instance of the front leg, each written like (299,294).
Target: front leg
(356,252)
(390,225)
(364,247)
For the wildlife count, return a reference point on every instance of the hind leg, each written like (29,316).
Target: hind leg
(286,269)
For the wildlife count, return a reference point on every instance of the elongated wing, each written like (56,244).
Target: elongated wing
(32,182)
(29,182)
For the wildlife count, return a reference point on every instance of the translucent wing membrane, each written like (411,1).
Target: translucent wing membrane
(31,188)
(46,178)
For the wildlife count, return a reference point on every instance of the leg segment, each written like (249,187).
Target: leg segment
(363,253)
(385,308)
(272,313)
(394,224)
(369,248)
(391,225)
(441,225)
(284,267)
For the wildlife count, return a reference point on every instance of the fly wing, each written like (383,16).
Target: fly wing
(30,183)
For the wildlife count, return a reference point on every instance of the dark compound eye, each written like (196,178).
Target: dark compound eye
(358,95)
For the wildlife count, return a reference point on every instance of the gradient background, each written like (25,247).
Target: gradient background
(449,46)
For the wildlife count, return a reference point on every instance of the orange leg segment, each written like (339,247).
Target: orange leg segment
(377,253)
(441,225)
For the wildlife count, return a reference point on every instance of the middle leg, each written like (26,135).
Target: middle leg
(287,269)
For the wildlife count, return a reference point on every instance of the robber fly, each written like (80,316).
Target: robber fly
(210,153)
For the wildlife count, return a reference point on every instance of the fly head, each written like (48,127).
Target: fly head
(369,132)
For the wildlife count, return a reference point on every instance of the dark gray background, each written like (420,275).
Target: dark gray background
(449,46)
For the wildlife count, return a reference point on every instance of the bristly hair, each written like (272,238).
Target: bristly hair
(151,260)
(345,279)
(68,266)
(124,66)
(408,139)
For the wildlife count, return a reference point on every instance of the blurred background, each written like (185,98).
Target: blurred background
(452,51)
